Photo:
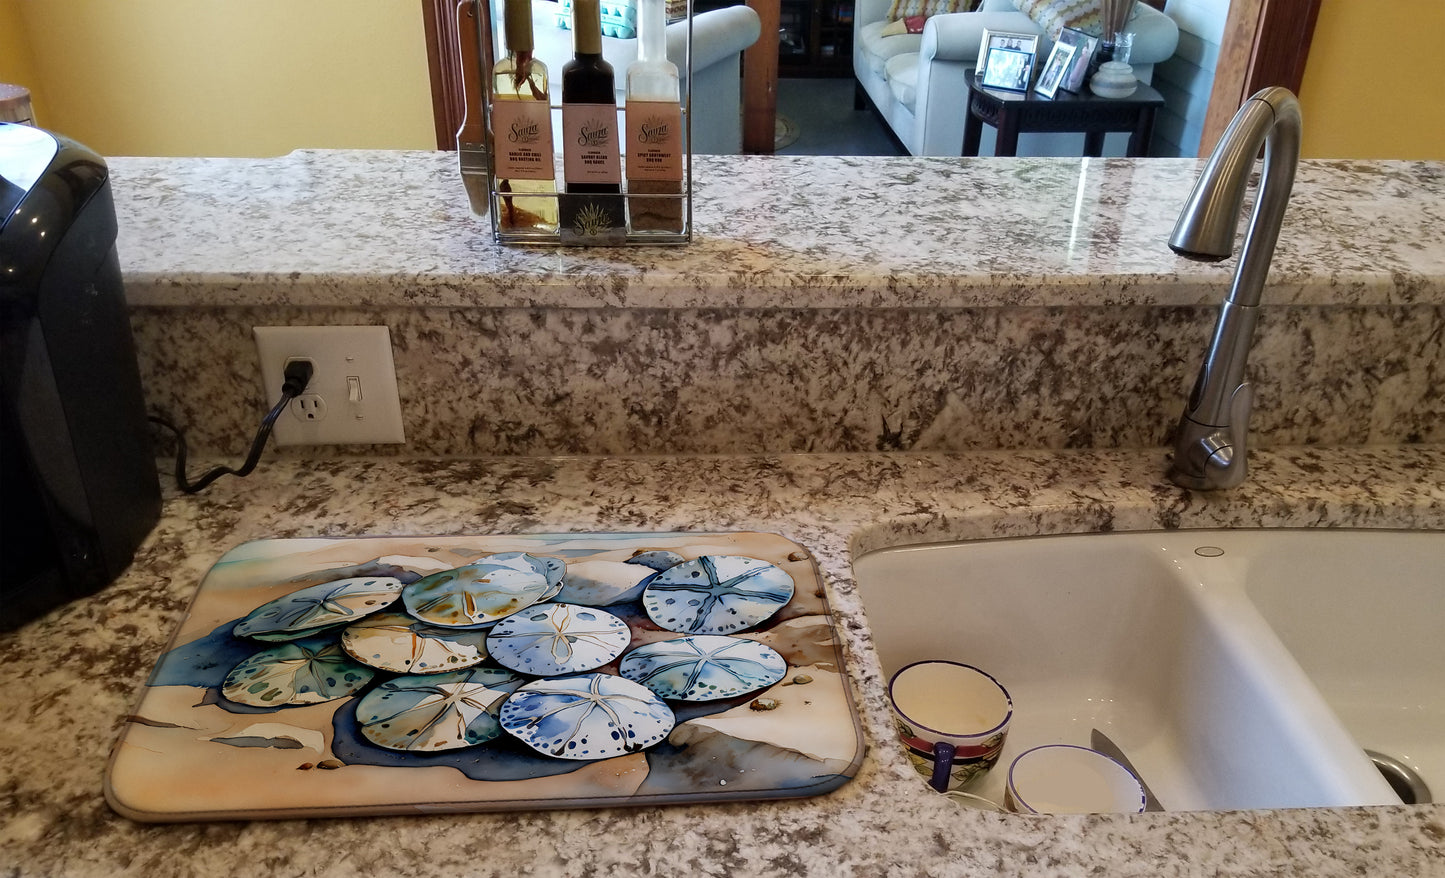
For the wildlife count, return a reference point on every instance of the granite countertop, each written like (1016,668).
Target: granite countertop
(210,247)
(371,229)
(69,679)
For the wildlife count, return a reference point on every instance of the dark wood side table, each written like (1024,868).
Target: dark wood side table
(1015,112)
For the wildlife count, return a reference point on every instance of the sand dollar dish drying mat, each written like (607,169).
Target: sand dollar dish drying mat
(395,675)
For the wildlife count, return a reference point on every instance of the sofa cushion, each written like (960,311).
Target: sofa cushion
(913,24)
(877,49)
(902,72)
(1053,16)
(905,8)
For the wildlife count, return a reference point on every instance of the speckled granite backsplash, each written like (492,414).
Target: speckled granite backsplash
(622,381)
(827,305)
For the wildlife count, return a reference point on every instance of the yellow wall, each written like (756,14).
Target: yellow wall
(202,77)
(1374,86)
(17,64)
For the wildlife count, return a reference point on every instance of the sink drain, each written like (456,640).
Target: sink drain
(1403,779)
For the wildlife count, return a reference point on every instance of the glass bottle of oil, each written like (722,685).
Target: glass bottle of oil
(522,130)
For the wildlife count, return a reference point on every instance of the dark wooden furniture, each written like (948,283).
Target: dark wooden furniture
(1016,112)
(816,38)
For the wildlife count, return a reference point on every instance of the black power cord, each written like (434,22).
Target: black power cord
(298,375)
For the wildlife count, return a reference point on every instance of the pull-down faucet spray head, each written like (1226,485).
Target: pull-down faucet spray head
(1206,224)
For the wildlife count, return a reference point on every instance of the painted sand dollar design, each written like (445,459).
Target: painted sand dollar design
(592,716)
(399,643)
(716,594)
(551,639)
(300,672)
(448,711)
(704,667)
(318,607)
(552,568)
(481,592)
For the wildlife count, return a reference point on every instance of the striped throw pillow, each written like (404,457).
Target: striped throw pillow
(908,8)
(1055,15)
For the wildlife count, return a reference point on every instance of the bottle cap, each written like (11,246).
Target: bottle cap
(587,26)
(518,25)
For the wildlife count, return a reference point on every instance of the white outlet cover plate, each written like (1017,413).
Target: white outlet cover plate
(338,353)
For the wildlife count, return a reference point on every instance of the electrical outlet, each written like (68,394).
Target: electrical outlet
(352,398)
(309,407)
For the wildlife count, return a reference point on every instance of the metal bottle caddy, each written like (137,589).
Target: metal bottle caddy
(485,36)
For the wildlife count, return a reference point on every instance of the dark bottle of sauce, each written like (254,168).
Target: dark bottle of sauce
(590,151)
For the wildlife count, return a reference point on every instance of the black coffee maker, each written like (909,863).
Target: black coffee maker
(78,483)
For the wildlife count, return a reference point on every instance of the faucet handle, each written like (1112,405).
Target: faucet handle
(1231,461)
(1241,404)
(1207,457)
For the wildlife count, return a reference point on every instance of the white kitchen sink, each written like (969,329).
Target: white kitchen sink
(1236,669)
(1364,616)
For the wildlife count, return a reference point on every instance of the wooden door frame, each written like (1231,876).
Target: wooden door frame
(1266,42)
(760,81)
(444,64)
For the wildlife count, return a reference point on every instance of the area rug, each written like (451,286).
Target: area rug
(785,132)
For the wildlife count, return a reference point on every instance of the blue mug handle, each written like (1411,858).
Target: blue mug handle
(942,765)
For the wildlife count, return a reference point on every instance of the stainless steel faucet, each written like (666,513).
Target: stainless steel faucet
(1209,448)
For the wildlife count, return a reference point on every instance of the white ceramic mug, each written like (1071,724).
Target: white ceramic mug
(1065,779)
(952,719)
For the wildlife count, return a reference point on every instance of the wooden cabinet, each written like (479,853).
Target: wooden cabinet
(815,38)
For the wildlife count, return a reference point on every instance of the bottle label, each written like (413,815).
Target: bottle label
(654,140)
(522,135)
(589,143)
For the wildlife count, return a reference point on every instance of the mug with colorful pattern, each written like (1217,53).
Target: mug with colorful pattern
(952,719)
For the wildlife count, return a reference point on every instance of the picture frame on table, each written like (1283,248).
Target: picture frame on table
(1006,60)
(1054,69)
(1084,48)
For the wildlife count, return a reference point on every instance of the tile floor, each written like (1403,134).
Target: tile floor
(828,125)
